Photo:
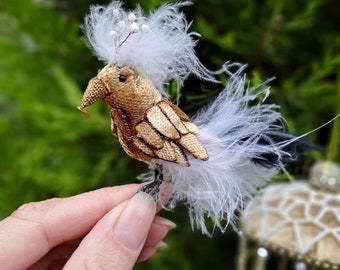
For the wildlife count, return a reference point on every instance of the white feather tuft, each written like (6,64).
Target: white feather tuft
(235,135)
(159,45)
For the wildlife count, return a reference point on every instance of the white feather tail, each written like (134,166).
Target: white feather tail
(245,147)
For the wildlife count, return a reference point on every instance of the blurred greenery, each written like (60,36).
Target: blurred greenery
(48,149)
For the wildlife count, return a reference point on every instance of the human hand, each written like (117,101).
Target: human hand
(109,228)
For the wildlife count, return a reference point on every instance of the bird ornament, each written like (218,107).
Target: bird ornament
(214,160)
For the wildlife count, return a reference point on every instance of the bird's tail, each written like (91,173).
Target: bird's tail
(247,144)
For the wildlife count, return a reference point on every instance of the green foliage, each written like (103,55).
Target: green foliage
(50,149)
(297,42)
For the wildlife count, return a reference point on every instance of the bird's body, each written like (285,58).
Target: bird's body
(147,124)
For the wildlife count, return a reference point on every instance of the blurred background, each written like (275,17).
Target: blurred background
(49,149)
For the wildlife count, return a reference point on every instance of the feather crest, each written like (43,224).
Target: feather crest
(243,149)
(159,45)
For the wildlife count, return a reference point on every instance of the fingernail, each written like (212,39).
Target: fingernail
(171,225)
(161,246)
(134,223)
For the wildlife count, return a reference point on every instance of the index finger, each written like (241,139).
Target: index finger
(37,227)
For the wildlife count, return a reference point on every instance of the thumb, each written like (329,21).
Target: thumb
(116,241)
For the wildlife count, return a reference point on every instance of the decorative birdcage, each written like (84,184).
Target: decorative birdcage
(298,223)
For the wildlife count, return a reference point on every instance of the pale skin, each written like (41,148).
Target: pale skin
(109,228)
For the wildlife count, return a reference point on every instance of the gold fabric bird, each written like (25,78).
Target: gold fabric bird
(147,124)
(215,160)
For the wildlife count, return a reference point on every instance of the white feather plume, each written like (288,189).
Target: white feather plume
(159,45)
(236,135)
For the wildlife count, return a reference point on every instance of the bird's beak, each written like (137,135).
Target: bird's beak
(95,90)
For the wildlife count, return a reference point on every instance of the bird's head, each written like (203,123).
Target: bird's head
(123,88)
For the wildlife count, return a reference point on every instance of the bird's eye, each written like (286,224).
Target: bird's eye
(122,78)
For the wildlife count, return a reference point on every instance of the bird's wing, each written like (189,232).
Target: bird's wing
(113,124)
(166,131)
